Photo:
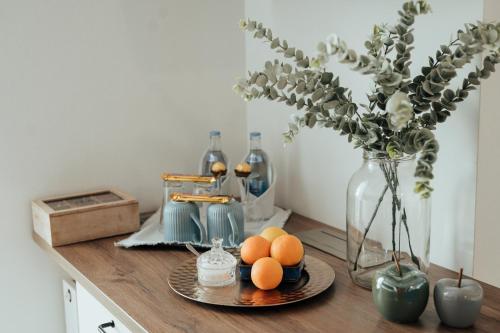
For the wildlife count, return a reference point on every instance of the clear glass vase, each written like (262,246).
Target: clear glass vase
(385,217)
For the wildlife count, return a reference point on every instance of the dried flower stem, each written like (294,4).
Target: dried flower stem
(460,274)
(396,261)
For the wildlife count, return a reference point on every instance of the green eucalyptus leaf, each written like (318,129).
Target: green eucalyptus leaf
(258,34)
(282,82)
(318,93)
(299,55)
(261,80)
(275,43)
(330,105)
(310,119)
(290,52)
(273,93)
(300,103)
(269,34)
(321,47)
(301,87)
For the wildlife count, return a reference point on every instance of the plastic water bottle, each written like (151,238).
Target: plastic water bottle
(261,176)
(213,154)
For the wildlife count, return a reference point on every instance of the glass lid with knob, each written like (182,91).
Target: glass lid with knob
(216,267)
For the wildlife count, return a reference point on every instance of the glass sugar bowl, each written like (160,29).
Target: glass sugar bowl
(216,267)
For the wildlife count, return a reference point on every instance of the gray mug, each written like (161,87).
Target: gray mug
(181,223)
(226,221)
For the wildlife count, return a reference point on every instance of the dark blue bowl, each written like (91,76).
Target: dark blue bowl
(290,273)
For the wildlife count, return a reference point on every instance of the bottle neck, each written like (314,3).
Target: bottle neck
(255,144)
(215,143)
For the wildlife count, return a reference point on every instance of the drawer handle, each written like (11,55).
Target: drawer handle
(101,327)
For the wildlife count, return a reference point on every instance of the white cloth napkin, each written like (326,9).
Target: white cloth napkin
(262,206)
(151,232)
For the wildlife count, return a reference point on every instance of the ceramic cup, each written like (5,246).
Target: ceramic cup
(181,223)
(226,221)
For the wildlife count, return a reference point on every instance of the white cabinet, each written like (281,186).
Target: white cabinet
(92,315)
(70,306)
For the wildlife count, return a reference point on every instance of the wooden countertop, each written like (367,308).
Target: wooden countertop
(132,285)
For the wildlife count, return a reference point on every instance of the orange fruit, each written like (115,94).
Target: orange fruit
(254,248)
(271,233)
(267,273)
(287,249)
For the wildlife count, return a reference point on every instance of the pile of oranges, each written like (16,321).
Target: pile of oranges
(268,253)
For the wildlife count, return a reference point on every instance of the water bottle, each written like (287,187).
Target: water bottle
(261,176)
(212,154)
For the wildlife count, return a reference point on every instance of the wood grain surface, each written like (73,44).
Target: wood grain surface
(132,285)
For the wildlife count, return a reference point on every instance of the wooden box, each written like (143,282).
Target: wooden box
(85,216)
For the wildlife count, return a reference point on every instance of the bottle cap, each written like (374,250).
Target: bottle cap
(255,135)
(214,133)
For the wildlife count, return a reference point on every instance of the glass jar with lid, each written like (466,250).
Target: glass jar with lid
(216,267)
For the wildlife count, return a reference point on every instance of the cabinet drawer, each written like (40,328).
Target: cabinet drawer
(92,314)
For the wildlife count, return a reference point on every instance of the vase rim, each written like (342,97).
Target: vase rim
(379,155)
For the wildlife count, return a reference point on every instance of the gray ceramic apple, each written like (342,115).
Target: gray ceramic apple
(400,295)
(458,307)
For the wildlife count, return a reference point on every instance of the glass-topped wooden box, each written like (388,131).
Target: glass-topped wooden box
(84,216)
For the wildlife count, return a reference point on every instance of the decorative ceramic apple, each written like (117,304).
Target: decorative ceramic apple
(458,301)
(400,292)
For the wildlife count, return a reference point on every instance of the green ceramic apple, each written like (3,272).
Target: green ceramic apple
(400,295)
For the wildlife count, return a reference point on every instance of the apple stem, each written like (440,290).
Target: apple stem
(460,274)
(396,260)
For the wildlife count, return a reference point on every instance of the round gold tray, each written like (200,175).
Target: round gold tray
(317,276)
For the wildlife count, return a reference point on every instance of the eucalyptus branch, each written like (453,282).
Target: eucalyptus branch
(429,86)
(408,110)
(405,36)
(325,102)
(334,46)
(389,178)
(262,32)
(369,225)
(422,141)
(440,110)
(376,65)
(414,258)
(400,68)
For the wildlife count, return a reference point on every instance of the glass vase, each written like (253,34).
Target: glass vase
(385,217)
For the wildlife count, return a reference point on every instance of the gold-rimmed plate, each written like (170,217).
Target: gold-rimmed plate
(317,276)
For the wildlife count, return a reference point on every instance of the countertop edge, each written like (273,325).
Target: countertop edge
(75,274)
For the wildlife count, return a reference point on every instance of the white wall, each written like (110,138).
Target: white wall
(316,168)
(487,229)
(103,93)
